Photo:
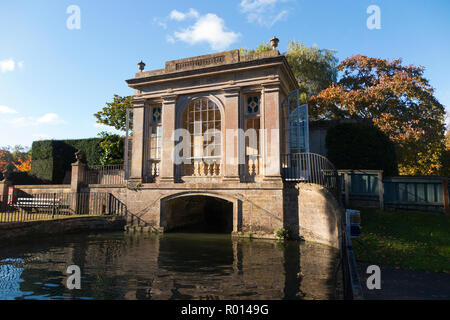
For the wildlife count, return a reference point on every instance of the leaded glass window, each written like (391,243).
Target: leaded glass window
(252,107)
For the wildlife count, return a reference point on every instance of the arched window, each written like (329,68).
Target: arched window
(203,121)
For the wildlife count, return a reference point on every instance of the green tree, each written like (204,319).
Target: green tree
(114,113)
(315,69)
(445,157)
(263,47)
(400,102)
(112,147)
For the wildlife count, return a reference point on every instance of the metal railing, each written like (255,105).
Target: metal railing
(107,175)
(118,208)
(310,168)
(49,206)
(351,282)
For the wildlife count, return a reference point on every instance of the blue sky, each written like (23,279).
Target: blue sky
(53,79)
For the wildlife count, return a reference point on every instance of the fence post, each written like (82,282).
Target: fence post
(78,173)
(54,206)
(109,204)
(4,187)
(381,189)
(445,194)
(347,189)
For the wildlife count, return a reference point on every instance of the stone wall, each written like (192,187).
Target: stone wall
(12,232)
(259,209)
(35,189)
(318,214)
(309,211)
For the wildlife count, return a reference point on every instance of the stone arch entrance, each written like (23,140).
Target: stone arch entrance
(201,213)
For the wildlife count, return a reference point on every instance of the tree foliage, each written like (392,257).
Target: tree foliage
(112,147)
(314,68)
(400,102)
(114,113)
(23,165)
(17,158)
(263,47)
(361,146)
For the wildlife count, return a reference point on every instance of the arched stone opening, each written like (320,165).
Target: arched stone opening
(197,213)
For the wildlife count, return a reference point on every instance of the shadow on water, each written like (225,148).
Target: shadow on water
(169,266)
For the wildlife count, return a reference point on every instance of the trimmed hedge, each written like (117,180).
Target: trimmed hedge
(51,159)
(361,146)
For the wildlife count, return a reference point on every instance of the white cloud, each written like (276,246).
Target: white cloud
(50,118)
(208,28)
(160,22)
(7,65)
(10,65)
(46,119)
(7,110)
(180,16)
(263,12)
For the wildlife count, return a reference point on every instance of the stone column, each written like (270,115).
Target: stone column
(78,173)
(167,138)
(446,196)
(4,189)
(380,189)
(231,141)
(271,131)
(138,140)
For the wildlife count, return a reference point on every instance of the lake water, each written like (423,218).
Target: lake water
(169,266)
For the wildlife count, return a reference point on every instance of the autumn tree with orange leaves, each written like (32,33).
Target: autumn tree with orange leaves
(398,99)
(23,165)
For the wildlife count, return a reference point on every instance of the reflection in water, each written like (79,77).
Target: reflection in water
(170,266)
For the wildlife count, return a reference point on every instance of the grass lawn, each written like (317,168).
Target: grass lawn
(405,239)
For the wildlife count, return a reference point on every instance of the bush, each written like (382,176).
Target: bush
(51,159)
(361,146)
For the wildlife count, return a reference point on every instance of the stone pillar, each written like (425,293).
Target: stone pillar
(347,187)
(138,140)
(380,189)
(271,131)
(167,138)
(231,141)
(78,174)
(4,188)
(446,196)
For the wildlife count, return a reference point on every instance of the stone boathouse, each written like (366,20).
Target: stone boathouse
(220,143)
(244,177)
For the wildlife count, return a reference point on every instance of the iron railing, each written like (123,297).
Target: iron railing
(107,175)
(310,168)
(49,206)
(351,282)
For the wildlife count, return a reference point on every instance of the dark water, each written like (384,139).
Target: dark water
(170,266)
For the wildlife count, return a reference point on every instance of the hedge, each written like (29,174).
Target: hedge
(51,159)
(361,146)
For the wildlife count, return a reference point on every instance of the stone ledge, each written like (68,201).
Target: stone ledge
(29,231)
